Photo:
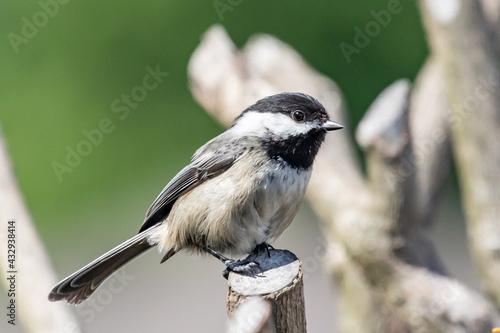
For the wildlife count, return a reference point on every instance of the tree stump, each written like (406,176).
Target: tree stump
(280,284)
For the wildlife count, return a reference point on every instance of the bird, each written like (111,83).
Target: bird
(240,191)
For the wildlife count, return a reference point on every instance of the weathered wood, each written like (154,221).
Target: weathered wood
(403,286)
(461,41)
(280,283)
(430,140)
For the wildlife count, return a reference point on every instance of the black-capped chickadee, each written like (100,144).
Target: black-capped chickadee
(241,190)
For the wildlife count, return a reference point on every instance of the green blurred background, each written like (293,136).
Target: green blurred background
(65,78)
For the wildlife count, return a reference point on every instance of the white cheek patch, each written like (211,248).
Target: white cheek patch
(279,124)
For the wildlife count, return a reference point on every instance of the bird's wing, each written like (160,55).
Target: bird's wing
(202,167)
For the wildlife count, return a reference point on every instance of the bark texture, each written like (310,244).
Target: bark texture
(463,45)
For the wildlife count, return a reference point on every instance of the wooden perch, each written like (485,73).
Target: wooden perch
(35,275)
(281,284)
(383,262)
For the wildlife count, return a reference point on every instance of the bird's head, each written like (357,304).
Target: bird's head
(283,116)
(290,126)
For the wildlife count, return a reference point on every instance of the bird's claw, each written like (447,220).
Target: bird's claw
(249,268)
(262,247)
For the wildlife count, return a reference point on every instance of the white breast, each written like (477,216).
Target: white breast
(275,201)
(247,205)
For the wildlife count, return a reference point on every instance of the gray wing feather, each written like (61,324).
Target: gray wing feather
(183,181)
(203,166)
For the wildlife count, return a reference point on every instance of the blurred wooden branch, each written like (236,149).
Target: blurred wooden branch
(430,140)
(35,275)
(463,44)
(282,289)
(491,10)
(383,262)
(252,316)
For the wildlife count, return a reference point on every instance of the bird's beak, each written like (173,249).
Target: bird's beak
(331,125)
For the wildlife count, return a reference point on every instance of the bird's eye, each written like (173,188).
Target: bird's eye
(298,115)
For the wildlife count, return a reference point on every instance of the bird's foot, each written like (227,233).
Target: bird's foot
(245,267)
(249,266)
(262,247)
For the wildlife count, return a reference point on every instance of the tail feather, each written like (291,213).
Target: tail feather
(77,287)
